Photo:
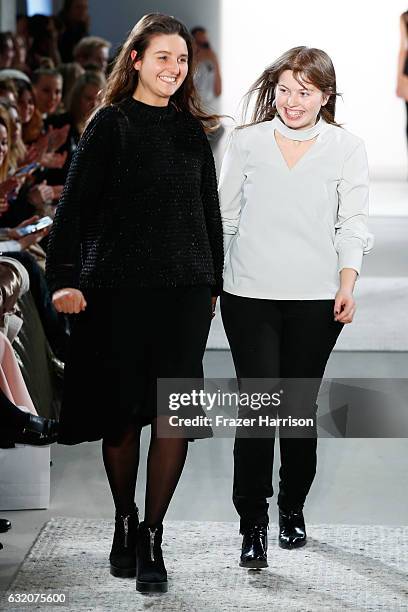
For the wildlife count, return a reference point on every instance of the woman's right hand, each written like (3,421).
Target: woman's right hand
(69,301)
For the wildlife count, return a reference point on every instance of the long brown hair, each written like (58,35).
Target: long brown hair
(10,285)
(307,64)
(123,78)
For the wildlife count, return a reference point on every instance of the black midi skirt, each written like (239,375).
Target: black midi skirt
(120,344)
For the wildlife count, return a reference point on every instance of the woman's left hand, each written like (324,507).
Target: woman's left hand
(213,305)
(344,306)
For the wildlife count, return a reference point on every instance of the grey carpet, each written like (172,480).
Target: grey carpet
(379,324)
(341,567)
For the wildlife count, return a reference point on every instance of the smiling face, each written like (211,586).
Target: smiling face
(26,105)
(298,104)
(48,93)
(162,69)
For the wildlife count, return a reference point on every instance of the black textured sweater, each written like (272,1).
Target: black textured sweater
(140,205)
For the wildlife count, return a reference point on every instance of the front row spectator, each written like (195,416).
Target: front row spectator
(19,421)
(47,86)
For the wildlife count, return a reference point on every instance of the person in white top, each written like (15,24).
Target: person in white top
(294,205)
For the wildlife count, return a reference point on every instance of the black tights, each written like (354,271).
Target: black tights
(165,464)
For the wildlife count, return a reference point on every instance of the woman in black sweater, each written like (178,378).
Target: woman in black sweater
(136,253)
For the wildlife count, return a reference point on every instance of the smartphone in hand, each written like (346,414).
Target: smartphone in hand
(34,227)
(28,169)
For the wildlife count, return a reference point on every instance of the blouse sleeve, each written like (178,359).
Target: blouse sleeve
(82,189)
(352,238)
(232,177)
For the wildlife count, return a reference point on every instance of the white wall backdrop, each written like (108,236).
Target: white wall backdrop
(362,39)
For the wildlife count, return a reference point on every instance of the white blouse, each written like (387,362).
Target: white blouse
(289,232)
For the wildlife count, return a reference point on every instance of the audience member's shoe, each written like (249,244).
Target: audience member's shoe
(151,574)
(5,525)
(38,431)
(292,530)
(123,553)
(254,546)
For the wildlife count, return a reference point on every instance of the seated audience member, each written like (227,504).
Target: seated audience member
(20,54)
(70,74)
(83,100)
(6,50)
(19,422)
(92,51)
(47,87)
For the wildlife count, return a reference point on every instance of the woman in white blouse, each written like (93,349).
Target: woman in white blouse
(294,205)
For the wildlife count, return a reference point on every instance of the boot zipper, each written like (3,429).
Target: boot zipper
(126,527)
(152,533)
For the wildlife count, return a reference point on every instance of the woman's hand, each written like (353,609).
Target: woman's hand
(13,233)
(54,160)
(344,306)
(30,239)
(40,195)
(69,301)
(213,305)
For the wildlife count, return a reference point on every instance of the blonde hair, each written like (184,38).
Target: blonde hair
(5,121)
(17,148)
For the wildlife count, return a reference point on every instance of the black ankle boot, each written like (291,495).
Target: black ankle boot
(123,553)
(254,546)
(151,571)
(292,530)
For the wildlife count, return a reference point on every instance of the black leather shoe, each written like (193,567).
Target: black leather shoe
(254,547)
(122,557)
(38,431)
(151,576)
(292,530)
(5,525)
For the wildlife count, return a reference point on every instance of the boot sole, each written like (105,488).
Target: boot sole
(255,564)
(120,572)
(151,587)
(292,546)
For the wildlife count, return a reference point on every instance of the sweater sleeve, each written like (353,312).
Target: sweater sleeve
(83,187)
(232,177)
(212,213)
(352,238)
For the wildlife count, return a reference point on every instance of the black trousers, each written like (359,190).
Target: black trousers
(270,339)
